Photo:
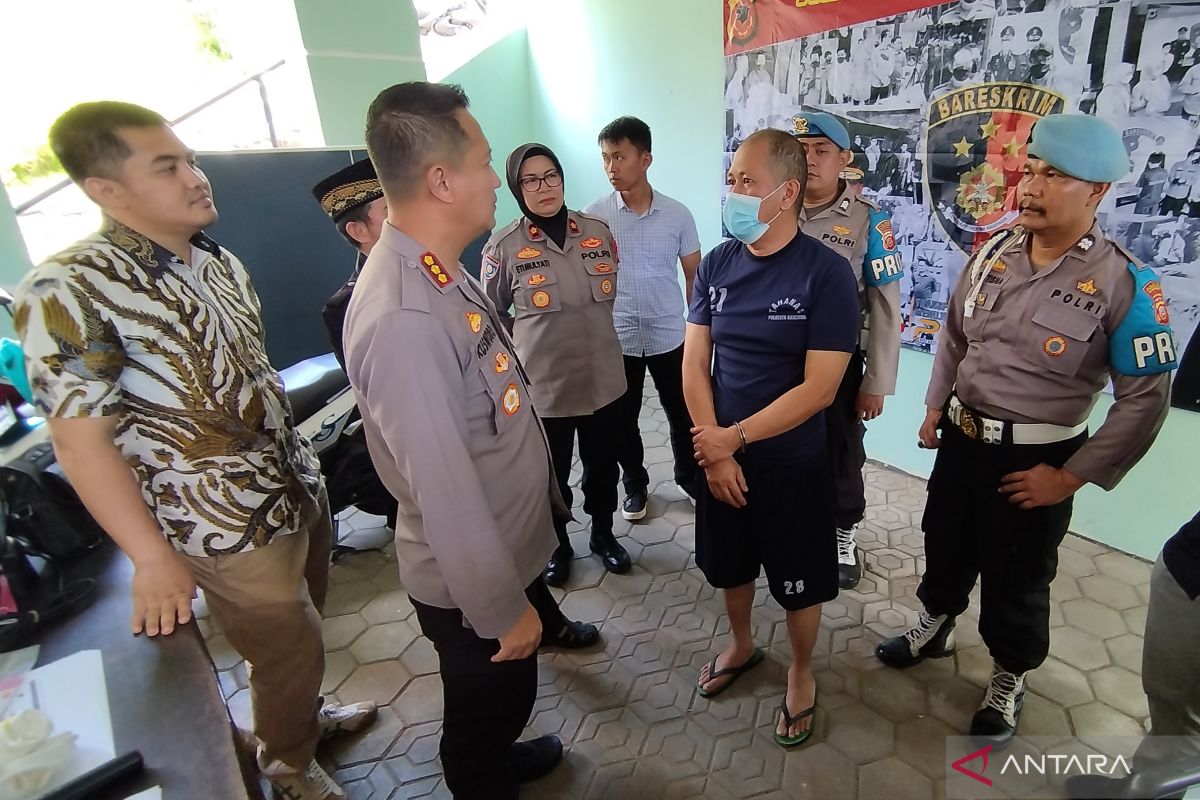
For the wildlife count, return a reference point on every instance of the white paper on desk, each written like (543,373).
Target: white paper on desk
(72,693)
(153,793)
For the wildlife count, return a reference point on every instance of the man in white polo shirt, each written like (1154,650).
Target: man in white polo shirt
(654,233)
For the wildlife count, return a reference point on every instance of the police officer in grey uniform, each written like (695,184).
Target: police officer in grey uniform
(557,270)
(1040,319)
(454,436)
(838,216)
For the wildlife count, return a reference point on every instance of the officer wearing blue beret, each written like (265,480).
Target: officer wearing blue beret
(836,214)
(1041,318)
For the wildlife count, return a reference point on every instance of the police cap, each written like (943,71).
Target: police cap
(1082,146)
(817,123)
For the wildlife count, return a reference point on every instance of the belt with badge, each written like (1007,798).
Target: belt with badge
(974,425)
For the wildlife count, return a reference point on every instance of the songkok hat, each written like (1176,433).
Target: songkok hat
(348,188)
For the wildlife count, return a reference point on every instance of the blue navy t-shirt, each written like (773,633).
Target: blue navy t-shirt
(765,314)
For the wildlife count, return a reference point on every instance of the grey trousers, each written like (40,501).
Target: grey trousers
(1170,676)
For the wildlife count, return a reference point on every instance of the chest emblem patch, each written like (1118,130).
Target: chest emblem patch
(540,299)
(502,362)
(512,400)
(1055,346)
(528,252)
(475,320)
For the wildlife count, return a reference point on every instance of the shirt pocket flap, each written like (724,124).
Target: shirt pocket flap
(537,278)
(604,287)
(1076,325)
(604,266)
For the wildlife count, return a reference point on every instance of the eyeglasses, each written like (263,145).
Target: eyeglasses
(532,183)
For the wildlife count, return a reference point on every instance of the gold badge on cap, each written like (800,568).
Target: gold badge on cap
(800,124)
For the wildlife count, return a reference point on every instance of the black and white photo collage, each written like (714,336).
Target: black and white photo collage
(1132,62)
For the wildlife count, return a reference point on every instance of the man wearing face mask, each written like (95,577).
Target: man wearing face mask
(1006,65)
(962,72)
(1183,175)
(861,232)
(1041,318)
(1039,55)
(772,324)
(1151,185)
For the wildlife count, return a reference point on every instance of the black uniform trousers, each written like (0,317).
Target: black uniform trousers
(598,436)
(844,443)
(666,369)
(973,532)
(487,704)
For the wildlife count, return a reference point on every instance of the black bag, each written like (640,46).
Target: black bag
(43,510)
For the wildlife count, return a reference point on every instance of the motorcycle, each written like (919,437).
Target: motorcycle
(324,407)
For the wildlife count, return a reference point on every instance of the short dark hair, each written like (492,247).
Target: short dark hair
(631,128)
(356,214)
(1031,30)
(408,126)
(86,139)
(1009,30)
(785,155)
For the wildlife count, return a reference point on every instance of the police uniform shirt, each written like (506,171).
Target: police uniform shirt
(452,433)
(562,318)
(861,232)
(765,313)
(1040,346)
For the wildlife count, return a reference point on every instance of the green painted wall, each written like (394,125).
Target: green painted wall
(355,50)
(14,259)
(1155,498)
(498,83)
(595,60)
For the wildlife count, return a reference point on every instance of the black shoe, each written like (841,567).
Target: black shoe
(932,637)
(634,507)
(1095,787)
(536,758)
(558,569)
(849,559)
(996,720)
(571,636)
(614,556)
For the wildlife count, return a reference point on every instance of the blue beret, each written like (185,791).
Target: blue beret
(1082,146)
(818,123)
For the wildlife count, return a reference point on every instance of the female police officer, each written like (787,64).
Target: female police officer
(557,270)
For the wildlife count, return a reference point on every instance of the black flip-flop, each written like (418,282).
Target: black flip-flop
(789,721)
(733,672)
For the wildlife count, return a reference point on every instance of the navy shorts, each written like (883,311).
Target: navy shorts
(786,528)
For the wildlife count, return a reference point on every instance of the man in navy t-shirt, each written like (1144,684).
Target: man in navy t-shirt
(775,314)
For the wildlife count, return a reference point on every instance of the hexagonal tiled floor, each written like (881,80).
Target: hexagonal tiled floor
(629,713)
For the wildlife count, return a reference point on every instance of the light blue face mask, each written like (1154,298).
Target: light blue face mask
(740,215)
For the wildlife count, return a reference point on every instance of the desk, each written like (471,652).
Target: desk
(162,692)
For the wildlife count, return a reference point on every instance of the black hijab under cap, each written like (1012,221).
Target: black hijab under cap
(555,226)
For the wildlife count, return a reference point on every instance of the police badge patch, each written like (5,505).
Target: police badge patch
(977,147)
